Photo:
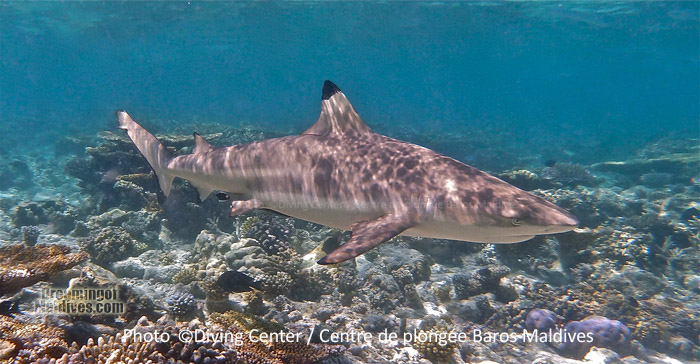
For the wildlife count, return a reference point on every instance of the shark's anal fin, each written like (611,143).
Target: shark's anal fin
(241,207)
(369,234)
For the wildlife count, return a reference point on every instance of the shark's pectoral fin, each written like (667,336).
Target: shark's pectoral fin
(241,207)
(369,234)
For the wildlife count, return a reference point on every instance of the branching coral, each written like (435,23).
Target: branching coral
(262,351)
(271,234)
(22,343)
(22,266)
(246,322)
(28,342)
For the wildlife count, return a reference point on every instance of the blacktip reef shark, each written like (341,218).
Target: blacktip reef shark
(341,174)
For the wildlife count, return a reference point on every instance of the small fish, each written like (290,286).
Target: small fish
(9,306)
(234,281)
(550,163)
(222,196)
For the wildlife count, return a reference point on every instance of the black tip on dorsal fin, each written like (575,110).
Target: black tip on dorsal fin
(329,89)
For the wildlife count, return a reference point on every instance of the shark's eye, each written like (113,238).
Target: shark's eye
(516,221)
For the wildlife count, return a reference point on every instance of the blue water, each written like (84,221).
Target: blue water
(567,76)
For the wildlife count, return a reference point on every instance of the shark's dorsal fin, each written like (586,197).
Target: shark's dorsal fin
(338,117)
(200,145)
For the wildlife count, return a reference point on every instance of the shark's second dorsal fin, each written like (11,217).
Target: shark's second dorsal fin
(200,144)
(338,117)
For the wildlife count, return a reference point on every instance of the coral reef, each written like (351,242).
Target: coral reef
(273,351)
(248,224)
(110,244)
(628,275)
(36,343)
(653,321)
(406,281)
(29,213)
(245,322)
(272,234)
(26,342)
(382,291)
(478,282)
(22,266)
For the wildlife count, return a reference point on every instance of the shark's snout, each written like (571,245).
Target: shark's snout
(570,220)
(539,216)
(562,217)
(558,220)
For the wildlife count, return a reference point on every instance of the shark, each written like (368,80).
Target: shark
(341,174)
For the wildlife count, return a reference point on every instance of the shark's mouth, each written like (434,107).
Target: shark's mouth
(554,229)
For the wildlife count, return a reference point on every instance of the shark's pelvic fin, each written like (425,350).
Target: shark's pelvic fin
(241,207)
(369,234)
(338,117)
(155,153)
(200,144)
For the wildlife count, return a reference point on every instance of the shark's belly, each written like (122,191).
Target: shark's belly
(343,219)
(465,232)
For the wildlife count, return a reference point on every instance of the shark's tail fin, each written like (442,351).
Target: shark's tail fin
(156,154)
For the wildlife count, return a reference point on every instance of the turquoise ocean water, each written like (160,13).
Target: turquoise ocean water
(597,77)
